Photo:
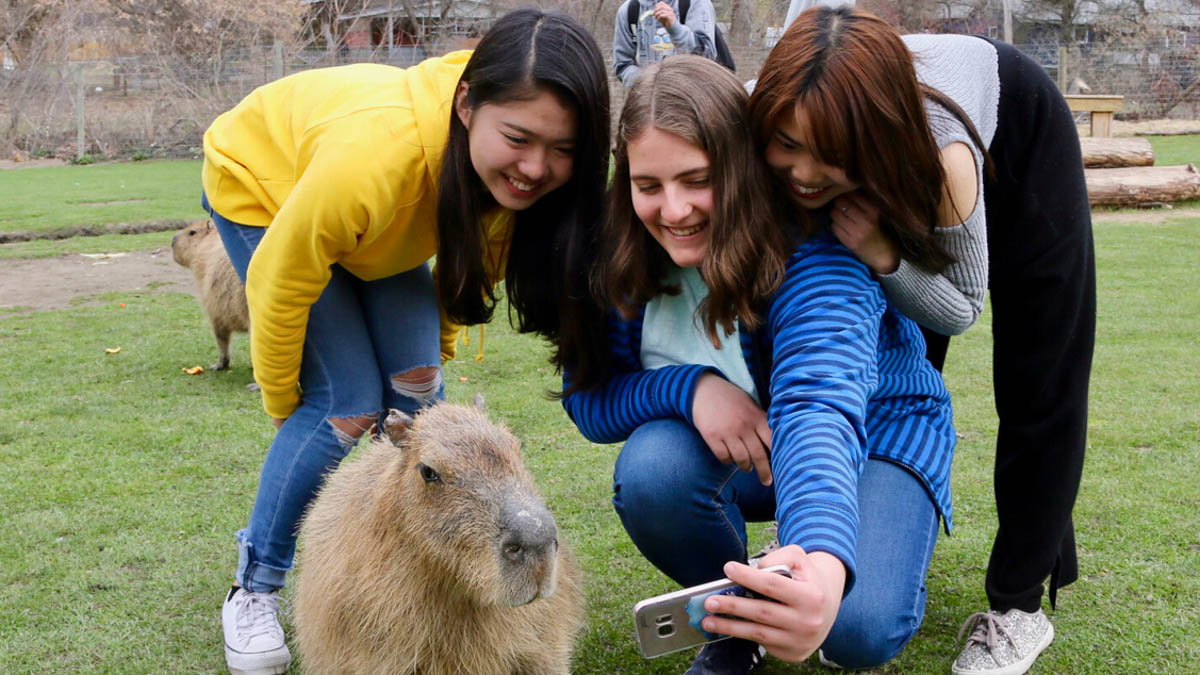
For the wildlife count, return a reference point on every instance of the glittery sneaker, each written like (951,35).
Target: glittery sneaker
(1002,644)
(254,643)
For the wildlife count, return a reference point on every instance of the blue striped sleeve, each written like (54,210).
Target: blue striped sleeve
(612,411)
(824,324)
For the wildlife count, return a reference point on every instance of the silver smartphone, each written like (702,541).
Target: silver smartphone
(671,621)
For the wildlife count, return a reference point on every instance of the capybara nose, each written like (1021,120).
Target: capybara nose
(527,531)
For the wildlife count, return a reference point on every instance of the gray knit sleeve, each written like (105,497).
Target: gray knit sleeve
(946,303)
(949,302)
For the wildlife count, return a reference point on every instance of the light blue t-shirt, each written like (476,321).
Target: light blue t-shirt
(672,333)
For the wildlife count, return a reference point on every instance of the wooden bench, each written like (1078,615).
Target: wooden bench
(1100,106)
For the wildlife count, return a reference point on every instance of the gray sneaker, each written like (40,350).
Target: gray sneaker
(254,643)
(1002,644)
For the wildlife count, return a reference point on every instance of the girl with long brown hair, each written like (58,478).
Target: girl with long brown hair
(950,165)
(756,372)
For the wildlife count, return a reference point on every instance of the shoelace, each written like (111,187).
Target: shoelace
(987,628)
(256,614)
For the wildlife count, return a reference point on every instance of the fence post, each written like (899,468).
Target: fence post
(1062,68)
(277,52)
(78,111)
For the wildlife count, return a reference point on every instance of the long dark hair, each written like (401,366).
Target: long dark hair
(854,76)
(704,104)
(526,52)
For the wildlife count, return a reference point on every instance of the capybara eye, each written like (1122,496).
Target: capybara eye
(428,474)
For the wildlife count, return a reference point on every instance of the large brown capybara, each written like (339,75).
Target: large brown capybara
(198,247)
(435,555)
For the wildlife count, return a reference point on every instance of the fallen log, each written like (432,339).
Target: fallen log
(1108,152)
(1142,186)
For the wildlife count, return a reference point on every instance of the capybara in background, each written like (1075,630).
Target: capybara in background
(434,555)
(198,247)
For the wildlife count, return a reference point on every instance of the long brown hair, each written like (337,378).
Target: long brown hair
(704,104)
(854,78)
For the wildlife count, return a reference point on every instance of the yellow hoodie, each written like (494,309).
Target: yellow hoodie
(341,165)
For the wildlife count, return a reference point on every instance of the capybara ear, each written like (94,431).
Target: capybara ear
(479,403)
(208,224)
(396,425)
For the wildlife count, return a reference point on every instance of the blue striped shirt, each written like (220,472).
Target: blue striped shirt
(845,376)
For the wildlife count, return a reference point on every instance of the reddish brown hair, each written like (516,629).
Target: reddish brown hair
(854,77)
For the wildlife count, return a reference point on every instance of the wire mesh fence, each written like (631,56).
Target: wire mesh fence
(152,105)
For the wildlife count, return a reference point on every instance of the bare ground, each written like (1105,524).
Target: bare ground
(68,281)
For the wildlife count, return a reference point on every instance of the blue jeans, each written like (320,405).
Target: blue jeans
(360,334)
(687,513)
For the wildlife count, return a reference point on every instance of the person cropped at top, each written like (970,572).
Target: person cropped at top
(331,190)
(961,150)
(660,30)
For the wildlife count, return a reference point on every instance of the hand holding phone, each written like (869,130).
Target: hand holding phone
(805,607)
(672,621)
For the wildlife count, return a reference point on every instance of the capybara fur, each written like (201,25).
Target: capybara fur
(434,554)
(198,247)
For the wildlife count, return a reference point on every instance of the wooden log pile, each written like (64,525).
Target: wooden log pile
(1121,172)
(1142,185)
(1106,152)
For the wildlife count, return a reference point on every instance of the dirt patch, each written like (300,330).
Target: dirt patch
(1154,127)
(1152,216)
(30,163)
(67,281)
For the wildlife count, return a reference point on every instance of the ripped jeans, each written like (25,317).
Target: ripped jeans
(360,335)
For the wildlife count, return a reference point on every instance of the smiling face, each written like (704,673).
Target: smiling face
(813,183)
(522,150)
(672,194)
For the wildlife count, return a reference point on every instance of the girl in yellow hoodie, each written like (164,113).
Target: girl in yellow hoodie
(332,188)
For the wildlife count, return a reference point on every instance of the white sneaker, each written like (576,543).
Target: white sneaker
(254,643)
(1003,644)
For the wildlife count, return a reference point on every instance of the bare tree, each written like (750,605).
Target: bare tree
(1172,67)
(741,21)
(1065,13)
(36,34)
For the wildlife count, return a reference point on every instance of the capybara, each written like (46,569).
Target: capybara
(198,247)
(434,554)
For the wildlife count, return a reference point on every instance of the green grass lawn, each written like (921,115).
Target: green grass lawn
(122,481)
(1173,150)
(52,198)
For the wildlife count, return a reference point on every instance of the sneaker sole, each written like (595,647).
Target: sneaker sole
(1018,668)
(269,663)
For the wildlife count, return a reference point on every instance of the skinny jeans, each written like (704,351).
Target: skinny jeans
(360,334)
(1042,281)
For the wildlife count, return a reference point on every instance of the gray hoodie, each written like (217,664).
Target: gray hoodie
(654,42)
